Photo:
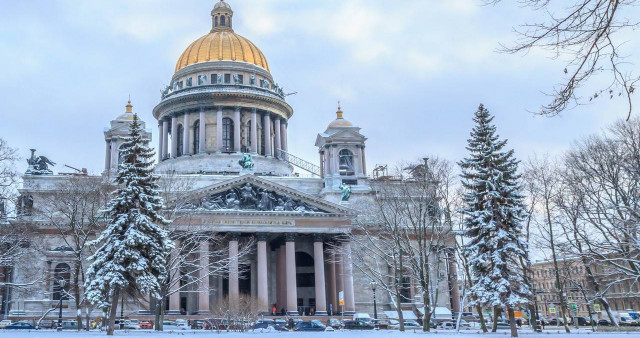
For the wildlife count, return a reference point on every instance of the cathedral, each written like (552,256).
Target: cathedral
(223,127)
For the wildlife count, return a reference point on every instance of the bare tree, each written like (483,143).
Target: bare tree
(8,178)
(409,233)
(73,209)
(589,34)
(544,180)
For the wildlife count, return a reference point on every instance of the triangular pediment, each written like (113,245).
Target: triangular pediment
(249,193)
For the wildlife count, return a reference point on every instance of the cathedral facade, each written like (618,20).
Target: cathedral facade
(223,128)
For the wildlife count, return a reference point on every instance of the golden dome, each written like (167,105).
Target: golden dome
(222,45)
(340,121)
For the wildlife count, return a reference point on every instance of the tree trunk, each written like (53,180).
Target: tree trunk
(533,316)
(426,327)
(607,307)
(512,322)
(76,291)
(483,325)
(399,286)
(495,319)
(111,324)
(87,326)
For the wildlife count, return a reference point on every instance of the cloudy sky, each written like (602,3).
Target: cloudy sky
(410,73)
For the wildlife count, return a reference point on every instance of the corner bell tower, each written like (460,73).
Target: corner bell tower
(342,154)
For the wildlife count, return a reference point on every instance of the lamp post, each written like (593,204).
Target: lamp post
(375,307)
(61,285)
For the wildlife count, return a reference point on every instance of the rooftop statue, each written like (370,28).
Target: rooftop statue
(39,165)
(246,162)
(346,192)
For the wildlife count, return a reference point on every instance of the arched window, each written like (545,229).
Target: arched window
(227,134)
(216,21)
(196,137)
(180,136)
(346,163)
(62,272)
(222,21)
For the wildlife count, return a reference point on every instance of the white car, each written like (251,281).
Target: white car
(4,323)
(408,324)
(174,326)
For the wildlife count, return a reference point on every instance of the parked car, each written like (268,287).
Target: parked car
(408,324)
(4,323)
(293,322)
(309,326)
(446,325)
(198,324)
(582,321)
(604,322)
(628,321)
(131,324)
(260,325)
(357,325)
(145,324)
(334,323)
(69,325)
(169,326)
(502,325)
(555,322)
(45,324)
(20,326)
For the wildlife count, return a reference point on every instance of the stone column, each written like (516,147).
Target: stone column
(266,127)
(202,135)
(237,123)
(321,153)
(219,130)
(335,158)
(333,293)
(263,285)
(165,138)
(276,130)
(292,294)
(254,131)
(327,163)
(203,295)
(234,286)
(360,162)
(174,137)
(159,150)
(357,160)
(283,136)
(174,288)
(278,280)
(318,263)
(364,163)
(115,154)
(107,156)
(185,136)
(349,297)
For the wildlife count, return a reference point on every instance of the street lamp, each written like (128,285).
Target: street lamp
(375,307)
(61,283)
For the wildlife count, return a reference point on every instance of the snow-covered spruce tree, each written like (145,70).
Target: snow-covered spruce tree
(494,211)
(132,250)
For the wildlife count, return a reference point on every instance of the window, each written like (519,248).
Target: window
(202,80)
(214,78)
(346,163)
(305,280)
(61,281)
(180,136)
(189,82)
(227,78)
(196,137)
(222,23)
(227,134)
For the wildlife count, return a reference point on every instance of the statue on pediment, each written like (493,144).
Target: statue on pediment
(39,165)
(346,192)
(246,162)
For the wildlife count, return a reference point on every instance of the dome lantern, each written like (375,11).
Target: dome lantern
(221,17)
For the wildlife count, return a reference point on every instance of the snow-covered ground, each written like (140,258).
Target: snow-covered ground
(336,334)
